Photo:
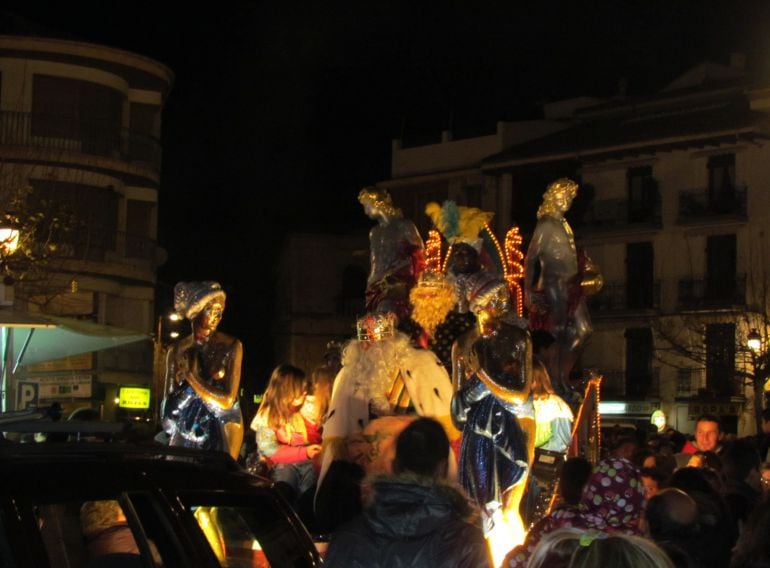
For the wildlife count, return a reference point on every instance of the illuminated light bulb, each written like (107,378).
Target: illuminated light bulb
(754,341)
(9,240)
(433,252)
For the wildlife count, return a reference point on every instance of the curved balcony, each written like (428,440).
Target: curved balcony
(104,139)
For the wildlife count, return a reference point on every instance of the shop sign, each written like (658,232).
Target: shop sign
(695,409)
(134,397)
(628,407)
(55,387)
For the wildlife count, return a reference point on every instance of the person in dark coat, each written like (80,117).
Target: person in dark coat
(414,517)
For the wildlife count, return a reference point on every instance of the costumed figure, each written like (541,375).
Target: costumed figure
(493,405)
(203,374)
(382,376)
(395,253)
(557,282)
(462,269)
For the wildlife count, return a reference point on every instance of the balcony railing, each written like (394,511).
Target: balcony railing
(690,381)
(138,246)
(619,297)
(620,214)
(49,132)
(720,291)
(702,204)
(621,384)
(102,245)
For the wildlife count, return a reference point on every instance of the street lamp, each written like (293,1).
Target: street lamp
(754,341)
(9,242)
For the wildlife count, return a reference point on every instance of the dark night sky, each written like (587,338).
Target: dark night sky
(282,110)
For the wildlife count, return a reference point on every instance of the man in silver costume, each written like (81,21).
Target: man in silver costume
(556,284)
(491,367)
(203,374)
(396,254)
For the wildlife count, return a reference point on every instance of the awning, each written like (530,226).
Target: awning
(33,338)
(66,337)
(38,338)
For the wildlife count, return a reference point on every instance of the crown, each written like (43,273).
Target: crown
(373,327)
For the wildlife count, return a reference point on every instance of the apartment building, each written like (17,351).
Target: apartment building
(673,207)
(80,139)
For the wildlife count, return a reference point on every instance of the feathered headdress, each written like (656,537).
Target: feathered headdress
(459,224)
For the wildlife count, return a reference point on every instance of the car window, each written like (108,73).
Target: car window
(250,532)
(94,532)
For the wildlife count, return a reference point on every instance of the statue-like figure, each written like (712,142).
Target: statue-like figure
(203,374)
(396,254)
(491,370)
(556,283)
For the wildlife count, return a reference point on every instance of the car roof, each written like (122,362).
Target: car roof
(120,466)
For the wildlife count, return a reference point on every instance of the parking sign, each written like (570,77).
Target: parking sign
(26,394)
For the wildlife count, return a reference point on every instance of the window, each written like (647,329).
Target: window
(94,212)
(640,293)
(96,532)
(474,195)
(642,195)
(721,189)
(350,300)
(139,242)
(638,362)
(720,357)
(77,110)
(721,265)
(144,125)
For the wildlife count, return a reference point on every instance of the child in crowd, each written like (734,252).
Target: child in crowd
(317,402)
(286,438)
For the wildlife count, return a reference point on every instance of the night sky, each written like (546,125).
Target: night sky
(281,111)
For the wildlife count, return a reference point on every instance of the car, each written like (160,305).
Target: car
(62,505)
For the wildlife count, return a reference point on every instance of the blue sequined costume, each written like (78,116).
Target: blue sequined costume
(493,451)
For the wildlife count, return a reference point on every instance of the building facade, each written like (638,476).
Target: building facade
(673,208)
(80,141)
(320,293)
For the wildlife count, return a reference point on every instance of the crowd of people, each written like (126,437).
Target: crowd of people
(655,499)
(402,463)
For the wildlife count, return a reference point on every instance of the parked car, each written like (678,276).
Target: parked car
(63,505)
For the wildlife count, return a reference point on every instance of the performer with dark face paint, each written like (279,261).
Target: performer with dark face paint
(203,374)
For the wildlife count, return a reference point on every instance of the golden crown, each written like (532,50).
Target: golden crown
(373,327)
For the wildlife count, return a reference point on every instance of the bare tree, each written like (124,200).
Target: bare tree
(681,341)
(49,229)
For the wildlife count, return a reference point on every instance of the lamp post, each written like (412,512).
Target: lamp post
(754,341)
(759,371)
(9,242)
